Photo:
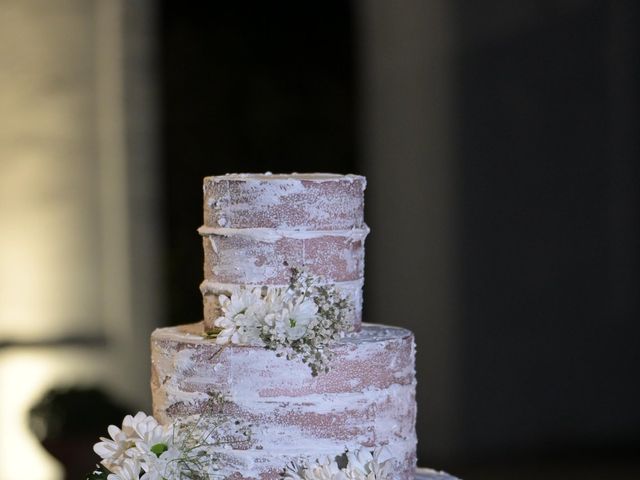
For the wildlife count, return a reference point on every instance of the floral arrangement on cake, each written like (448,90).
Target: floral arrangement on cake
(361,464)
(299,321)
(142,449)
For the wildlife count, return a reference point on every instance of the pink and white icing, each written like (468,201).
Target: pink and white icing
(258,226)
(366,399)
(317,201)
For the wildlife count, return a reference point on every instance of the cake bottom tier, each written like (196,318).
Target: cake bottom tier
(367,399)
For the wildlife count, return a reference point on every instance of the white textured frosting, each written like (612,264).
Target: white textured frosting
(272,235)
(288,202)
(367,398)
(258,226)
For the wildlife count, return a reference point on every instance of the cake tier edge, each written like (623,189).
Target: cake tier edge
(367,399)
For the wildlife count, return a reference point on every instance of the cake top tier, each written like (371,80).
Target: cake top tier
(296,201)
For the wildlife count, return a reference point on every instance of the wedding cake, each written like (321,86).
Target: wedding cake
(282,349)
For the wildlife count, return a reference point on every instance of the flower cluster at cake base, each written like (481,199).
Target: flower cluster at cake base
(142,449)
(299,321)
(361,464)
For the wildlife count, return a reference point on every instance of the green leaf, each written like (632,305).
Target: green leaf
(212,333)
(159,448)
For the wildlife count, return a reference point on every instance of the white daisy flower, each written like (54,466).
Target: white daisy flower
(163,467)
(290,321)
(128,470)
(132,425)
(273,301)
(294,471)
(241,330)
(240,301)
(154,440)
(238,324)
(228,332)
(325,469)
(119,447)
(362,464)
(297,317)
(113,451)
(366,465)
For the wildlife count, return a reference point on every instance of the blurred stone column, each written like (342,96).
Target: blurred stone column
(406,107)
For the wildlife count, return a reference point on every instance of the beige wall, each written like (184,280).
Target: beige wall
(78,219)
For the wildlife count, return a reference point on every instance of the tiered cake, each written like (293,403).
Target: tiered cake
(257,228)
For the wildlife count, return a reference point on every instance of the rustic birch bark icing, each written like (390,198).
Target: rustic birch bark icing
(256,229)
(366,399)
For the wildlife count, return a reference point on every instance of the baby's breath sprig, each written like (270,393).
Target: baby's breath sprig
(299,321)
(329,322)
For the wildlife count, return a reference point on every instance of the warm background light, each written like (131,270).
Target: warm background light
(71,311)
(25,376)
(48,256)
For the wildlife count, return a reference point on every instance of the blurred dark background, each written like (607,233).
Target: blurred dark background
(248,87)
(541,165)
(500,142)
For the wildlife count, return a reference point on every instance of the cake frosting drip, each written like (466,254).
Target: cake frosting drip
(366,399)
(256,227)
